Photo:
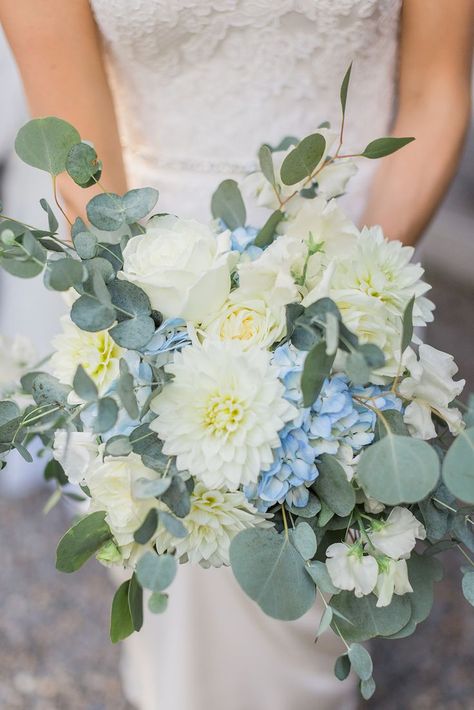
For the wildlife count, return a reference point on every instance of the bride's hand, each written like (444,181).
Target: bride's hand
(434,106)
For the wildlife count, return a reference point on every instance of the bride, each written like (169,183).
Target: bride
(170,89)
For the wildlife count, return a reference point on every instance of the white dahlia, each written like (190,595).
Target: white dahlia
(215,518)
(98,354)
(221,414)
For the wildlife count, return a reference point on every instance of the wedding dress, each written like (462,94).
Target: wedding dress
(198,86)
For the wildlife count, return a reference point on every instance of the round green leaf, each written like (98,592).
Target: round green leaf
(332,486)
(228,205)
(468,587)
(45,143)
(148,528)
(145,488)
(367,688)
(398,469)
(121,622)
(342,667)
(107,413)
(134,333)
(47,389)
(361,661)
(63,274)
(106,212)
(272,573)
(83,165)
(458,466)
(156,572)
(129,297)
(138,203)
(90,315)
(158,603)
(365,620)
(300,163)
(85,244)
(304,539)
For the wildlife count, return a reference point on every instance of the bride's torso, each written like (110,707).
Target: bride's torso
(200,84)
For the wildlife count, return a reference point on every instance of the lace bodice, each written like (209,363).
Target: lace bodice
(200,84)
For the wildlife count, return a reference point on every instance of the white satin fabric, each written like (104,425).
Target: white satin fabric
(199,85)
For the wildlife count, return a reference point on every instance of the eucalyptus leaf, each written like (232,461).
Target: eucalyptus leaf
(107,413)
(158,603)
(148,528)
(468,587)
(312,507)
(156,572)
(407,329)
(266,163)
(366,620)
(318,572)
(53,223)
(106,212)
(174,526)
(325,621)
(118,446)
(134,333)
(317,367)
(85,244)
(45,143)
(138,203)
(47,389)
(332,486)
(91,315)
(302,160)
(344,88)
(267,233)
(398,469)
(177,497)
(272,573)
(129,297)
(361,661)
(367,688)
(83,165)
(381,147)
(458,466)
(227,204)
(342,667)
(146,488)
(81,541)
(304,539)
(63,274)
(392,422)
(84,386)
(357,369)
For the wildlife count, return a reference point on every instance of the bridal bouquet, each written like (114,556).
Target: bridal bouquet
(253,397)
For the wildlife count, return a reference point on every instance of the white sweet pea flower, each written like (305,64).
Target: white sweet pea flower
(396,536)
(350,569)
(250,321)
(75,451)
(98,354)
(332,179)
(431,388)
(257,186)
(221,413)
(182,266)
(392,579)
(215,518)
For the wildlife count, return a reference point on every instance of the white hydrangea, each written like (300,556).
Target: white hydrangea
(98,354)
(350,569)
(392,579)
(431,388)
(397,535)
(221,414)
(75,451)
(215,518)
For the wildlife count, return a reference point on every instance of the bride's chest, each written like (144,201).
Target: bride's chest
(194,30)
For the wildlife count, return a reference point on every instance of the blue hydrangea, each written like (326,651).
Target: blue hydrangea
(334,419)
(171,335)
(242,237)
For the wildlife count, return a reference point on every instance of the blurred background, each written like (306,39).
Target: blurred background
(54,648)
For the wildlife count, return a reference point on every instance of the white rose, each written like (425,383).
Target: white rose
(431,388)
(249,321)
(182,266)
(110,483)
(75,451)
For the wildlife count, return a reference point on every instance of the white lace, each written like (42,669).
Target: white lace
(199,84)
